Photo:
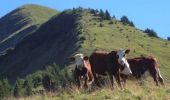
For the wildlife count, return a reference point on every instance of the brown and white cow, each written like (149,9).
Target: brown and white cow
(142,66)
(82,69)
(113,63)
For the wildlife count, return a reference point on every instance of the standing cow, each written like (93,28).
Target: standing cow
(82,69)
(113,63)
(142,66)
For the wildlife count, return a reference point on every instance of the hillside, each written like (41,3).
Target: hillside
(80,31)
(54,41)
(21,22)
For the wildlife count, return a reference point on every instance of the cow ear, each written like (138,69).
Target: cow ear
(127,51)
(113,52)
(86,58)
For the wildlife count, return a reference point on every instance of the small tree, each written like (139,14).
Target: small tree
(151,32)
(17,92)
(107,15)
(28,87)
(102,14)
(131,24)
(168,38)
(5,88)
(125,20)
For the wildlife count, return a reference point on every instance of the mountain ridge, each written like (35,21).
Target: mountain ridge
(21,22)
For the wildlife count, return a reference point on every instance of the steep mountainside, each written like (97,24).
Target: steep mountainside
(20,23)
(79,30)
(53,42)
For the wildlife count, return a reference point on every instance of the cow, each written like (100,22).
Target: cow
(113,63)
(141,66)
(82,69)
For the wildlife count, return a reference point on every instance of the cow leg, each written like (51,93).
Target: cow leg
(78,82)
(117,76)
(86,80)
(124,77)
(111,79)
(77,78)
(154,75)
(156,79)
(96,79)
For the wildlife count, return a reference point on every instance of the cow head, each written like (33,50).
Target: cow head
(121,55)
(79,59)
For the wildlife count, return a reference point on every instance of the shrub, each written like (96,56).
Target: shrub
(5,88)
(151,32)
(82,38)
(17,91)
(101,25)
(102,14)
(107,15)
(125,20)
(111,22)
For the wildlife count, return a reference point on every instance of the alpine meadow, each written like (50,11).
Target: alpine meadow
(36,43)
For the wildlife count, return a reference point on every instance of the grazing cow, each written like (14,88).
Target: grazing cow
(82,69)
(113,63)
(141,66)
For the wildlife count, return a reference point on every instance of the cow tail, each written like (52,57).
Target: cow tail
(158,71)
(160,77)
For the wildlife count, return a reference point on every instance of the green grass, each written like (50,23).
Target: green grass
(133,91)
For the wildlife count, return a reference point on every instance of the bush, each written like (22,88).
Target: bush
(101,25)
(102,14)
(151,32)
(55,78)
(111,22)
(18,91)
(28,87)
(5,88)
(107,15)
(125,20)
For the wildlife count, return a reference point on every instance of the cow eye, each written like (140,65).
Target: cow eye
(117,56)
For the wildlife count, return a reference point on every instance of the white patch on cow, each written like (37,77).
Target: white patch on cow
(146,74)
(127,69)
(122,60)
(79,60)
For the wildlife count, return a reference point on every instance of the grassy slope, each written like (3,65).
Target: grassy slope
(21,22)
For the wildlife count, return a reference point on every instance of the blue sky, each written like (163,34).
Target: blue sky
(152,14)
